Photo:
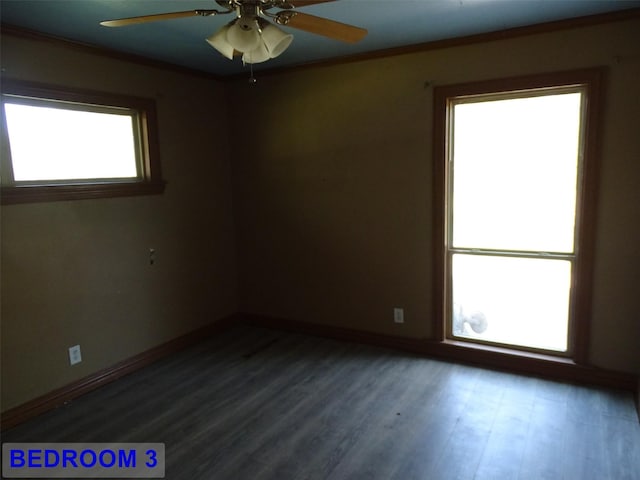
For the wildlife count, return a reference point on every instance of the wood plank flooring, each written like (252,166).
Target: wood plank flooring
(255,404)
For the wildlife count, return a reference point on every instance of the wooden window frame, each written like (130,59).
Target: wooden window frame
(149,180)
(580,317)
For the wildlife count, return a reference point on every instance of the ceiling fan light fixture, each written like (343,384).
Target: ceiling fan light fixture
(243,35)
(219,41)
(275,39)
(258,55)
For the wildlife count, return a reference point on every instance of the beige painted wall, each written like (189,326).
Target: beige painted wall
(333,197)
(77,272)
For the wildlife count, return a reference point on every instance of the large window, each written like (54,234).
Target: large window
(68,144)
(516,208)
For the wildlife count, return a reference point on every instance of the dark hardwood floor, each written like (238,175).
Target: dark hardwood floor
(253,403)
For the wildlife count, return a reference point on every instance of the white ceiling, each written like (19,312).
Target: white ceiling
(391,23)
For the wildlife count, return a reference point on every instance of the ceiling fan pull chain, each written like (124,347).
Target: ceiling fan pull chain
(252,79)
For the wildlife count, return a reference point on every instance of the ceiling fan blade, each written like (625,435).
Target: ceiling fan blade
(325,27)
(149,18)
(304,3)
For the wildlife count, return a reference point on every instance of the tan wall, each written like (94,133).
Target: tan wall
(77,272)
(333,195)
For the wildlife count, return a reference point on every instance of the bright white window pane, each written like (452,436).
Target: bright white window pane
(515,165)
(517,301)
(58,144)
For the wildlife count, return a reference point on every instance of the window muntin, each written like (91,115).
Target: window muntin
(68,144)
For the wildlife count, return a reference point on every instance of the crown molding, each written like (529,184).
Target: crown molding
(498,35)
(13,30)
(539,28)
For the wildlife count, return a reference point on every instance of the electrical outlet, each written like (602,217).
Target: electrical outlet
(398,315)
(74,355)
(152,256)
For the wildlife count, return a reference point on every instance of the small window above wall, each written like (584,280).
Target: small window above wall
(61,144)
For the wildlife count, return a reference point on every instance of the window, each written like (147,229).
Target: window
(515,199)
(69,144)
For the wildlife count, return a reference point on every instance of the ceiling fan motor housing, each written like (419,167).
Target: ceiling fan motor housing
(248,13)
(247,24)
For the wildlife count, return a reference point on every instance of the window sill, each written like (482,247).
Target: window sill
(536,364)
(53,193)
(510,352)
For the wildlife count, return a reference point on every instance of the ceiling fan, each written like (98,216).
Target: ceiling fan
(250,34)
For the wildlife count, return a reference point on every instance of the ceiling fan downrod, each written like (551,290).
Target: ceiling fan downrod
(248,13)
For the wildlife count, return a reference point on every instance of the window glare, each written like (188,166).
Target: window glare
(516,162)
(525,301)
(58,144)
